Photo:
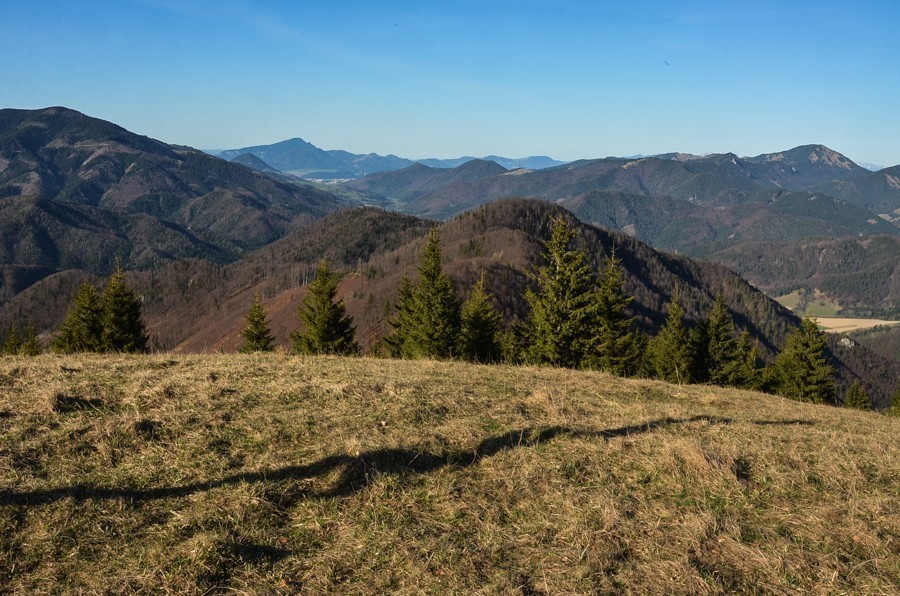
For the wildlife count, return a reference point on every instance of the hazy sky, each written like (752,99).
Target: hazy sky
(443,78)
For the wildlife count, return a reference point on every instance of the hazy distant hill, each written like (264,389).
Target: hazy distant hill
(301,158)
(253,162)
(535,162)
(78,192)
(405,187)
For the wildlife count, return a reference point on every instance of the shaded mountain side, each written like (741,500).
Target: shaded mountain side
(702,231)
(49,236)
(16,278)
(861,274)
(407,186)
(78,192)
(877,191)
(882,340)
(253,162)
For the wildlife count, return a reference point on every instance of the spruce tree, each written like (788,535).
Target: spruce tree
(123,329)
(802,370)
(894,408)
(857,397)
(13,342)
(723,358)
(427,322)
(564,310)
(30,346)
(480,327)
(616,347)
(698,352)
(668,353)
(82,329)
(326,327)
(746,371)
(403,319)
(257,336)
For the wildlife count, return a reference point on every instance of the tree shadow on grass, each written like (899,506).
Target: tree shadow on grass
(357,471)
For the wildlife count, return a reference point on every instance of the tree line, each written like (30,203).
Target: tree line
(102,322)
(576,319)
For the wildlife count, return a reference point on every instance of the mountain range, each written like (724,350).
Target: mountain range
(305,160)
(201,235)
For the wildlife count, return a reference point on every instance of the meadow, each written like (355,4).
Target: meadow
(284,474)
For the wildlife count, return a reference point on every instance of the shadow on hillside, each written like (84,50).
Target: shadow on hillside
(357,471)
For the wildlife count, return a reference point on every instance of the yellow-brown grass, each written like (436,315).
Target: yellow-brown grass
(845,325)
(277,474)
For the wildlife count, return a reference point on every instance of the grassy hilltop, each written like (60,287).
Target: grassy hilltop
(284,474)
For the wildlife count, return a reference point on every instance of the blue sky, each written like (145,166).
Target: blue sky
(571,79)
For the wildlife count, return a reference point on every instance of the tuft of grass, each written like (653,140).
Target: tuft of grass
(279,474)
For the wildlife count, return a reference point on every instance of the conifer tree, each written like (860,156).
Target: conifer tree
(894,408)
(801,370)
(564,310)
(747,373)
(30,346)
(698,352)
(82,329)
(327,329)
(616,346)
(257,336)
(123,329)
(427,322)
(668,352)
(480,327)
(13,342)
(857,397)
(722,355)
(403,319)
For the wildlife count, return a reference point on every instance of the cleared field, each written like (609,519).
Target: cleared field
(844,325)
(812,306)
(275,474)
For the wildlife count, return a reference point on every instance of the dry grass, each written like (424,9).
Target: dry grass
(845,325)
(275,474)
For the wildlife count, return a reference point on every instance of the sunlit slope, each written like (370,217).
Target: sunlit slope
(314,475)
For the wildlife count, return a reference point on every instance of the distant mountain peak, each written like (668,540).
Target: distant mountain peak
(831,157)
